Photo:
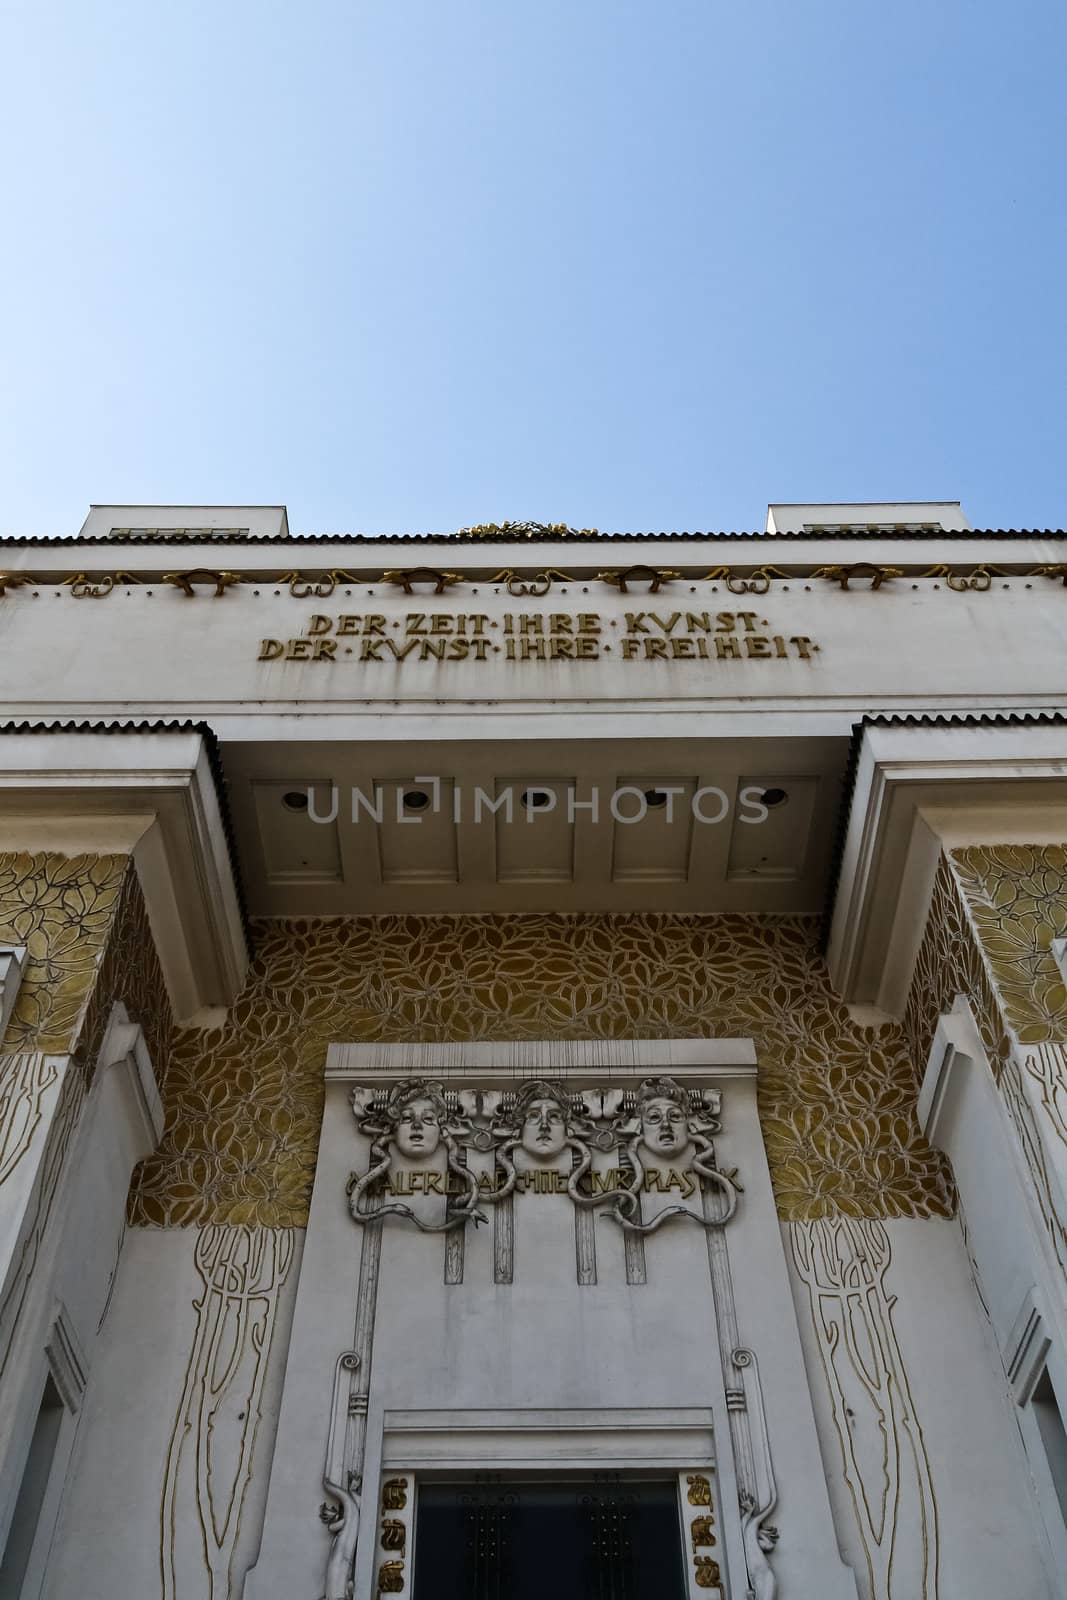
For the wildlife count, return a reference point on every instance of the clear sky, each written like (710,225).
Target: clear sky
(408,265)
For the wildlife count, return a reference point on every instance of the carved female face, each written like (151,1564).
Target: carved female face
(418,1133)
(544,1129)
(664,1128)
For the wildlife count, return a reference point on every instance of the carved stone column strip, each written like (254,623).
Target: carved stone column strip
(843,1264)
(634,1256)
(756,1489)
(504,1240)
(585,1247)
(344,1521)
(455,1244)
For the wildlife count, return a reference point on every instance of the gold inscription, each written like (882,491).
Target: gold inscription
(394,1494)
(538,636)
(699,1489)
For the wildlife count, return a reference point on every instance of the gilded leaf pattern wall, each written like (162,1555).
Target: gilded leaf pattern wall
(61,908)
(1017,897)
(244,1101)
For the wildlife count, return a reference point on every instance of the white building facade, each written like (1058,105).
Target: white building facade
(533,1062)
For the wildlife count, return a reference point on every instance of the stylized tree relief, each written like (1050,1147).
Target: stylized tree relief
(843,1265)
(209,1460)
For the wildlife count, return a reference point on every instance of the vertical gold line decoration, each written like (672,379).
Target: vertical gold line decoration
(210,1456)
(24,1081)
(843,1265)
(46,1186)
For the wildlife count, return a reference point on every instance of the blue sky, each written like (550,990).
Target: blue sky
(412,264)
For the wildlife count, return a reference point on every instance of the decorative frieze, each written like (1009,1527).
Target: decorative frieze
(244,1101)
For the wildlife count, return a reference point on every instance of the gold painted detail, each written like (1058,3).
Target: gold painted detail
(61,908)
(244,1101)
(45,1189)
(202,577)
(394,1494)
(391,1577)
(707,1573)
(24,1082)
(210,1455)
(1017,897)
(844,1264)
(699,1491)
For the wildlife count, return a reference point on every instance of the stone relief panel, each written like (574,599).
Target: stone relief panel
(541,1139)
(210,1457)
(844,1266)
(244,1101)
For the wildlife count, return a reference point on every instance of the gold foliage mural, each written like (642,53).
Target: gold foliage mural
(950,963)
(130,972)
(244,1101)
(1017,896)
(61,908)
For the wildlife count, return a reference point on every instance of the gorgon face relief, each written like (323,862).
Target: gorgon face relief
(662,1125)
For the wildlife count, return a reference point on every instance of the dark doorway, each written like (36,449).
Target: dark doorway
(579,1540)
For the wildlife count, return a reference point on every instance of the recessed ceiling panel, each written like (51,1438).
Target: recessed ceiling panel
(772,818)
(417,833)
(534,831)
(652,822)
(297,846)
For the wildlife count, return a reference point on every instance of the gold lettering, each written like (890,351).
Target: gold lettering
(588,649)
(728,647)
(559,623)
(270,650)
(394,1534)
(457,649)
(725,622)
(346,625)
(319,624)
(394,1494)
(480,649)
(630,648)
(298,650)
(588,622)
(432,647)
(369,649)
(562,650)
(655,648)
(635,622)
(414,622)
(325,650)
(653,1182)
(671,622)
(698,622)
(699,1489)
(749,620)
(682,649)
(758,646)
(440,622)
(779,646)
(374,624)
(803,644)
(532,624)
(531,648)
(400,651)
(433,1183)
